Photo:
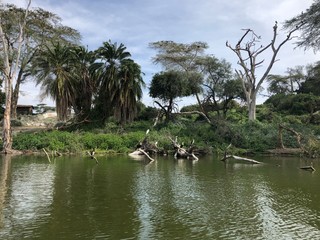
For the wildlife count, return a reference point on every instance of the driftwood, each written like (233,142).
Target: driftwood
(145,148)
(57,154)
(226,156)
(280,141)
(304,148)
(308,167)
(47,154)
(181,152)
(240,158)
(146,154)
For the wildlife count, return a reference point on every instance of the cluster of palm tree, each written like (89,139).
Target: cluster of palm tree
(101,83)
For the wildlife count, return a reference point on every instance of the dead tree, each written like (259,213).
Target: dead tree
(181,152)
(248,54)
(145,148)
(9,69)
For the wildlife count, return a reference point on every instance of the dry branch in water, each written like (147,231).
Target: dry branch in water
(240,158)
(226,156)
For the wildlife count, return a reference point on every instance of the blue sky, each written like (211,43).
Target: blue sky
(136,23)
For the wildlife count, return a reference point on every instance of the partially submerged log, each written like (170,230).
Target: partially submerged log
(181,152)
(308,168)
(146,154)
(47,154)
(240,158)
(226,156)
(145,148)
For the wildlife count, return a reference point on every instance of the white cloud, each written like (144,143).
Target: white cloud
(136,23)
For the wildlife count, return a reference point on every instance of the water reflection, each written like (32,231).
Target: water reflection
(5,167)
(29,197)
(187,200)
(74,198)
(282,218)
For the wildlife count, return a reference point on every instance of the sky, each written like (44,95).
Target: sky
(136,23)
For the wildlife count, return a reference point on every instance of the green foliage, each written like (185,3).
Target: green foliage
(312,81)
(309,25)
(15,123)
(118,83)
(238,115)
(76,141)
(147,113)
(190,108)
(169,85)
(296,104)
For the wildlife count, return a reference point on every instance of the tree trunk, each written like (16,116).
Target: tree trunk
(15,94)
(201,106)
(252,107)
(14,103)
(10,68)
(6,132)
(252,110)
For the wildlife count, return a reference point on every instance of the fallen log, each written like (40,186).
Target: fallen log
(240,158)
(308,168)
(146,154)
(226,156)
(144,148)
(182,152)
(47,154)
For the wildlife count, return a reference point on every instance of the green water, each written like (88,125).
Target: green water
(121,198)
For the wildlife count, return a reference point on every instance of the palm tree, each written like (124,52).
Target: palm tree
(107,73)
(84,83)
(129,91)
(53,70)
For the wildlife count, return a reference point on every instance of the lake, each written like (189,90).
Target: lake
(121,198)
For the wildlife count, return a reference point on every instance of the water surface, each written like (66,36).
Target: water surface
(121,198)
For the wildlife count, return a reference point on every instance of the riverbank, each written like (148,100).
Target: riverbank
(246,138)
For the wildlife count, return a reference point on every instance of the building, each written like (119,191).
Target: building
(24,109)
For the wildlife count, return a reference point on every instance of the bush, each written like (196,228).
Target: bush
(296,104)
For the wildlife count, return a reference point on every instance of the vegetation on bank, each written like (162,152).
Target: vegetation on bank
(245,136)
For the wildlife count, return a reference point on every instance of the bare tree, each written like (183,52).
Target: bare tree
(10,69)
(248,54)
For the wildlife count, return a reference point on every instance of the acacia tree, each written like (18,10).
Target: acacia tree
(309,24)
(220,86)
(181,57)
(169,85)
(41,28)
(286,84)
(249,58)
(10,69)
(312,80)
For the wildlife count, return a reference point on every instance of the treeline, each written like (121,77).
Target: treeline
(245,136)
(104,88)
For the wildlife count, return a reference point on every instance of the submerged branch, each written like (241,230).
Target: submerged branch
(240,158)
